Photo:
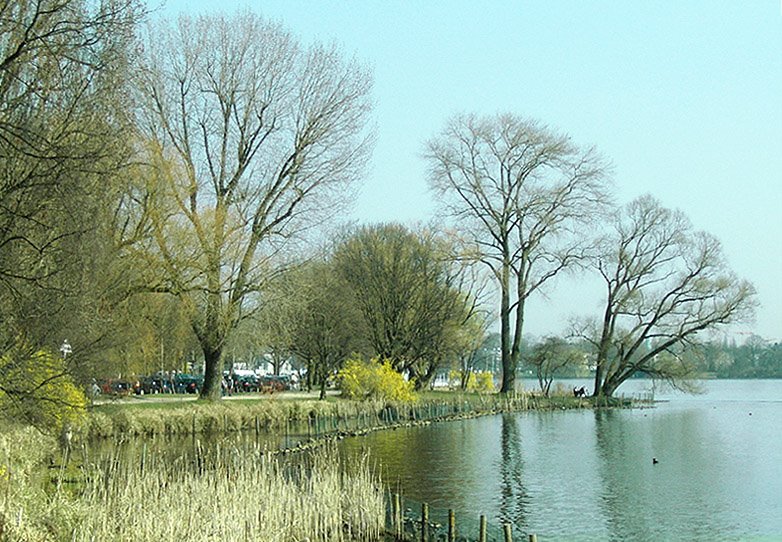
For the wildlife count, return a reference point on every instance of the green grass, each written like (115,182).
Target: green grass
(195,417)
(138,417)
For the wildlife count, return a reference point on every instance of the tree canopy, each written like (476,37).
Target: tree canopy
(162,189)
(520,192)
(665,283)
(411,295)
(64,115)
(248,135)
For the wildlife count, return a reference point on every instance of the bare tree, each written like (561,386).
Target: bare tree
(665,283)
(248,135)
(520,192)
(550,356)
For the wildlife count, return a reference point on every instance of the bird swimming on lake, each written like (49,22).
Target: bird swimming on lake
(654,461)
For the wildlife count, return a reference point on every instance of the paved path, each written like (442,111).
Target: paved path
(173,398)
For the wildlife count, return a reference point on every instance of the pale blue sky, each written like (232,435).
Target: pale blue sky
(684,97)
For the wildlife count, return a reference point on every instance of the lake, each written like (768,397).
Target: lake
(589,475)
(580,474)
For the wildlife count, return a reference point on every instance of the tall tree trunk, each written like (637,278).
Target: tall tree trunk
(322,388)
(610,383)
(415,377)
(213,361)
(515,351)
(431,370)
(508,371)
(602,349)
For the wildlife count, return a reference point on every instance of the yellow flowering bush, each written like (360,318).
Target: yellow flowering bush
(360,379)
(36,387)
(481,382)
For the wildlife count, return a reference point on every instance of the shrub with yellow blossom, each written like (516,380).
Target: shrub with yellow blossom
(360,379)
(477,381)
(35,386)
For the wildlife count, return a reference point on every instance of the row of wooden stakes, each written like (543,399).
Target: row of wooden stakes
(397,524)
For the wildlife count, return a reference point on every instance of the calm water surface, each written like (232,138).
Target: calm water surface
(589,475)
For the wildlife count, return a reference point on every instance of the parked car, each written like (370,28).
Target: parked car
(118,387)
(186,383)
(276,382)
(246,383)
(152,384)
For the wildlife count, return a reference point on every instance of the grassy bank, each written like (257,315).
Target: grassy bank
(132,418)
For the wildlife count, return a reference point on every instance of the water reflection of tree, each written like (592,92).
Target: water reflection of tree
(514,497)
(615,498)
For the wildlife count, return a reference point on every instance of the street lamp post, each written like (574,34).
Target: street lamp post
(65,348)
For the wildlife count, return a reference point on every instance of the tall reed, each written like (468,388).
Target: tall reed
(26,513)
(232,495)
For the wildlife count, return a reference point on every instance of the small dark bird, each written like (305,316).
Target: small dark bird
(654,461)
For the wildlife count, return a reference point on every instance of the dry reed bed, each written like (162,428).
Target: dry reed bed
(26,515)
(197,418)
(225,495)
(234,496)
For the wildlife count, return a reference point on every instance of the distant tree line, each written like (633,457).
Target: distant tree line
(557,357)
(754,358)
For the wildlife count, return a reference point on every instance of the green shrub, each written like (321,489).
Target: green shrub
(371,379)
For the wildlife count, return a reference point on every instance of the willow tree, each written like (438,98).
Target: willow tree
(413,298)
(63,122)
(665,284)
(248,135)
(521,195)
(62,116)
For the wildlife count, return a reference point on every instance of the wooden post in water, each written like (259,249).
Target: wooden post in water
(533,538)
(392,499)
(508,532)
(400,517)
(482,535)
(396,516)
(424,522)
(451,526)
